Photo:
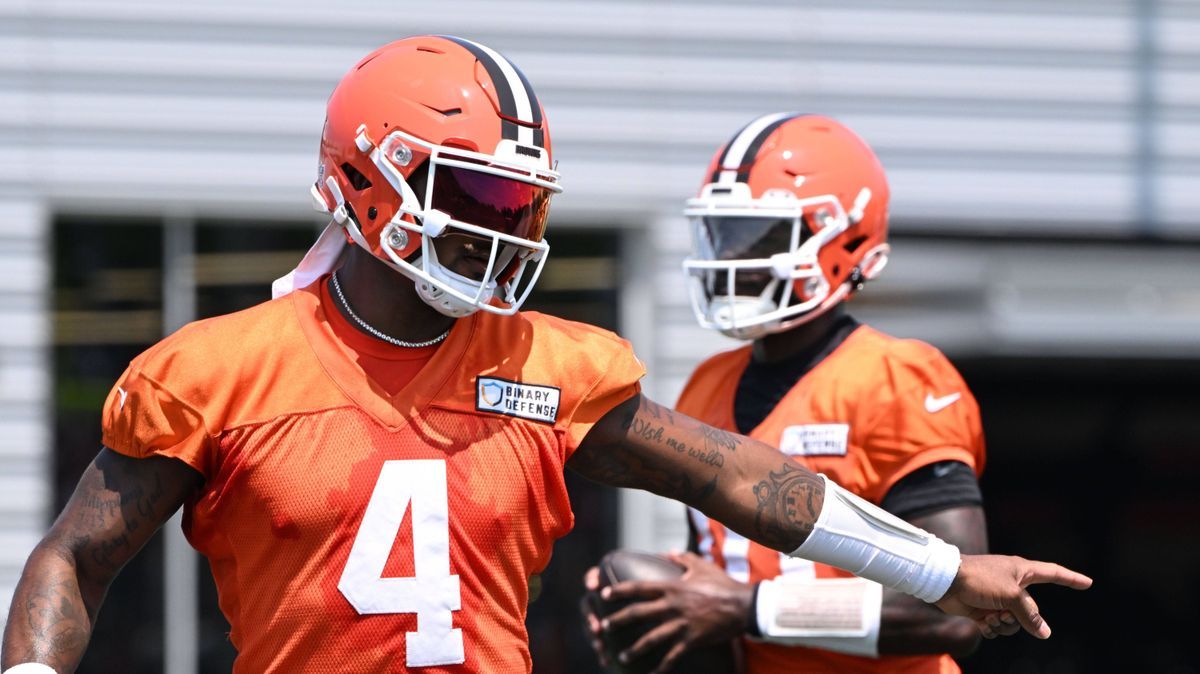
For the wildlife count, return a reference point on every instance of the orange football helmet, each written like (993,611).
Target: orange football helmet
(437,135)
(791,219)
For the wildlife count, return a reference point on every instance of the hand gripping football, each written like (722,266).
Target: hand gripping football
(622,565)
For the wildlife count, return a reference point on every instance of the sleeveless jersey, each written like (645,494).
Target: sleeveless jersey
(873,411)
(351,530)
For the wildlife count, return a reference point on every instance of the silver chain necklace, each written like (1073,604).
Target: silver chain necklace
(387,338)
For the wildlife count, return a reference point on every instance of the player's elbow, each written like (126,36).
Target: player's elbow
(54,551)
(71,556)
(959,637)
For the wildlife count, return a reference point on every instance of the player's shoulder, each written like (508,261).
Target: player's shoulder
(538,336)
(721,364)
(737,355)
(875,345)
(530,354)
(548,326)
(891,362)
(222,345)
(714,374)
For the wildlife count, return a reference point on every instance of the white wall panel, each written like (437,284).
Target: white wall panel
(933,83)
(1180,202)
(1180,36)
(1179,87)
(994,118)
(24,386)
(86,112)
(1180,140)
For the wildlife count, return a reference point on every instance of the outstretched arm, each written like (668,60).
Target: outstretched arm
(745,484)
(117,506)
(757,491)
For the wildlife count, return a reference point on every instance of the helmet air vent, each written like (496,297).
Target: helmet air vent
(853,244)
(359,181)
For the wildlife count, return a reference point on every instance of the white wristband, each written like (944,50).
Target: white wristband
(833,614)
(871,543)
(30,668)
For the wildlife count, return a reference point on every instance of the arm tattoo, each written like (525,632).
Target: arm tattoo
(656,424)
(54,612)
(127,511)
(787,505)
(745,484)
(716,439)
(621,468)
(657,411)
(612,459)
(119,504)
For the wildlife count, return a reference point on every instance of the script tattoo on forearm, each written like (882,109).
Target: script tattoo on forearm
(648,425)
(787,506)
(615,462)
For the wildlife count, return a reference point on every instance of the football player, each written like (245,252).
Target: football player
(790,222)
(372,462)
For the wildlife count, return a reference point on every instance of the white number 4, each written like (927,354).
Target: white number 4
(432,593)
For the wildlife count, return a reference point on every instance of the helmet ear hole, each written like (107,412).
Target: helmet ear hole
(357,180)
(806,230)
(854,244)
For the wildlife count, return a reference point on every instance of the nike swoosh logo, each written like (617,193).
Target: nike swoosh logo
(938,404)
(123,394)
(943,469)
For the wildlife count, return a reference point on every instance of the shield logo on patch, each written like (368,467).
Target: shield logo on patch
(493,393)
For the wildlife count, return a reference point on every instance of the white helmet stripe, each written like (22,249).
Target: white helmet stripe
(736,151)
(510,89)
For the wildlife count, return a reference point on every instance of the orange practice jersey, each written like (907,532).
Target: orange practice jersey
(871,412)
(350,530)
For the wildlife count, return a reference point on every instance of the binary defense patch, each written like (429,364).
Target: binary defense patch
(527,401)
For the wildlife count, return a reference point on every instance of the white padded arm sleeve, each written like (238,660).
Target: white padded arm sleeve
(30,668)
(871,543)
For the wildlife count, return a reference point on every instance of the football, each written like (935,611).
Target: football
(622,565)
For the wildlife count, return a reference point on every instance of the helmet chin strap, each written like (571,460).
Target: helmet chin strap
(752,332)
(872,265)
(446,303)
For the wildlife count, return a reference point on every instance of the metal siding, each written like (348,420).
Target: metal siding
(24,386)
(993,117)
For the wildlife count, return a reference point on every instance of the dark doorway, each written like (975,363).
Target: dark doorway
(107,309)
(1094,464)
